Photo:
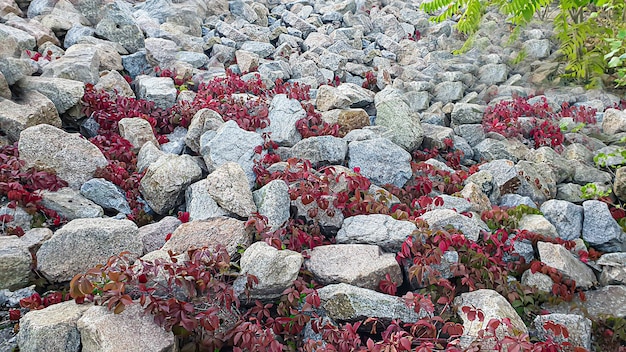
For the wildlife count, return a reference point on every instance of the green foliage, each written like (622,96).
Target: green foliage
(591,191)
(588,31)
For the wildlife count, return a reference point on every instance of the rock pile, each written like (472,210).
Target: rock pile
(421,95)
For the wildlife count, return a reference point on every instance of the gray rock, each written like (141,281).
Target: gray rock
(457,204)
(569,192)
(272,201)
(441,218)
(203,120)
(11,299)
(114,83)
(32,109)
(99,330)
(118,25)
(229,187)
(264,50)
(493,306)
(558,257)
(196,60)
(73,158)
(74,34)
(473,134)
(327,149)
(283,115)
(83,243)
(600,230)
(153,235)
(208,233)
(562,169)
(328,98)
(231,144)
(137,63)
(81,62)
(392,112)
(137,131)
(493,73)
(15,262)
(447,92)
(199,203)
(600,303)
(538,224)
(375,229)
(64,93)
(165,180)
(70,204)
(578,327)
(52,328)
(491,149)
(538,280)
(160,90)
(14,69)
(464,113)
(275,269)
(148,154)
(566,217)
(381,161)
(361,265)
(537,48)
(613,268)
(344,302)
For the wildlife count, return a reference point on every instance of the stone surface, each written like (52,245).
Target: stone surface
(64,93)
(613,268)
(395,114)
(322,149)
(440,218)
(605,301)
(381,161)
(137,131)
(52,328)
(31,109)
(375,229)
(81,62)
(118,25)
(566,217)
(558,257)
(165,180)
(160,90)
(538,224)
(132,330)
(600,230)
(15,263)
(272,201)
(200,233)
(283,115)
(70,204)
(105,194)
(275,269)
(229,187)
(83,243)
(367,265)
(199,204)
(73,159)
(153,235)
(578,327)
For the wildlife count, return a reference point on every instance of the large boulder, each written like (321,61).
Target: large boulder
(228,186)
(224,231)
(73,158)
(381,161)
(394,113)
(84,243)
(376,229)
(64,93)
(31,109)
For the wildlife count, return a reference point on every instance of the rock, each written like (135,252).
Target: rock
(83,243)
(344,302)
(538,224)
(447,92)
(11,299)
(263,50)
(70,204)
(20,217)
(32,109)
(14,69)
(114,83)
(153,235)
(100,331)
(283,115)
(562,169)
(441,218)
(272,201)
(199,203)
(105,194)
(118,25)
(538,280)
(293,20)
(246,60)
(381,161)
(558,257)
(64,93)
(73,158)
(600,230)
(229,187)
(137,131)
(613,121)
(208,233)
(275,269)
(613,268)
(578,327)
(491,149)
(165,180)
(81,62)
(160,90)
(490,74)
(376,229)
(328,98)
(347,119)
(537,48)
(464,113)
(600,303)
(231,144)
(15,263)
(52,328)
(5,91)
(566,217)
(478,199)
(330,219)
(148,154)
(619,183)
(322,149)
(367,265)
(393,113)
(203,120)
(493,306)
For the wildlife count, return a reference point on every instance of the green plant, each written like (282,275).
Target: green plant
(591,191)
(617,57)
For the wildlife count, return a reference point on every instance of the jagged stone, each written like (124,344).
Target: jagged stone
(376,229)
(208,233)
